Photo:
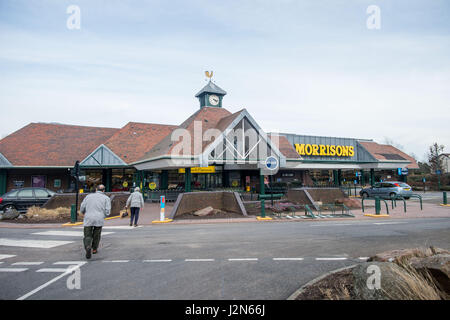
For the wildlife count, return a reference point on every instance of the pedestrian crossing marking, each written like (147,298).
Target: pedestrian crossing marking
(44,244)
(5,256)
(65,233)
(13,269)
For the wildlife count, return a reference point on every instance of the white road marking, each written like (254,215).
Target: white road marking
(45,244)
(330,259)
(114,227)
(70,262)
(117,261)
(66,272)
(159,260)
(65,233)
(244,259)
(378,223)
(5,256)
(331,225)
(198,260)
(30,263)
(363,258)
(13,269)
(287,259)
(52,270)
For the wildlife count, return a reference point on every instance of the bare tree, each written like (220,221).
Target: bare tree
(433,157)
(393,143)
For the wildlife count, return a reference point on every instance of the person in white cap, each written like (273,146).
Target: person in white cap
(135,202)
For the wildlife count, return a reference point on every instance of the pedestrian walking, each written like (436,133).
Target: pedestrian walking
(96,207)
(135,202)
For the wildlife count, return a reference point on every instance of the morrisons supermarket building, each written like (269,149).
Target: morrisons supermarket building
(159,156)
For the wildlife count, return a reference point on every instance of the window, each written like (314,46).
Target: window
(12,194)
(27,193)
(40,193)
(38,181)
(57,183)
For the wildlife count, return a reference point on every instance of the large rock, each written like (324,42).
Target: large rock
(396,283)
(204,211)
(349,202)
(438,266)
(9,214)
(403,255)
(388,281)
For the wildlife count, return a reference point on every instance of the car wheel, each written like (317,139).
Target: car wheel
(365,195)
(407,198)
(392,195)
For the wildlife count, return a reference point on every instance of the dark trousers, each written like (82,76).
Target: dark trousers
(92,237)
(134,214)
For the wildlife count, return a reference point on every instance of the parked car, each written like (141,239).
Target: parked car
(22,199)
(387,189)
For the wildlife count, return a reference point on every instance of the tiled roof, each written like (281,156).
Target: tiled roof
(52,145)
(383,152)
(209,117)
(135,139)
(211,87)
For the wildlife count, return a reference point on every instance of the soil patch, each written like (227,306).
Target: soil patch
(217,214)
(337,286)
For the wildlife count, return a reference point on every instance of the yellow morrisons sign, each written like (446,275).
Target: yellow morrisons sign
(324,150)
(210,169)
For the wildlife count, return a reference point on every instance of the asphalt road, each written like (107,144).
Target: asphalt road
(265,260)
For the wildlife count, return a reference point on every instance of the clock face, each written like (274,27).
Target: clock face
(214,100)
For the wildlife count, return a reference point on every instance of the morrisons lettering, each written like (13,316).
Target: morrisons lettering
(324,150)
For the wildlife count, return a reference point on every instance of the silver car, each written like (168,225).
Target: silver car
(387,189)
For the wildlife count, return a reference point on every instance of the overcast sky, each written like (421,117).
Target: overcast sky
(305,67)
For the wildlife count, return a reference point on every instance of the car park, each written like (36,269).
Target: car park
(387,189)
(23,198)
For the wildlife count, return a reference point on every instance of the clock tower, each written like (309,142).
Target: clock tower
(211,95)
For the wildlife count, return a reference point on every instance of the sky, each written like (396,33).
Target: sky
(305,67)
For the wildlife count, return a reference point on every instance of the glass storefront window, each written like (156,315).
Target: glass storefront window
(122,179)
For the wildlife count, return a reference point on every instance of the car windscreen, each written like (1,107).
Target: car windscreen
(11,194)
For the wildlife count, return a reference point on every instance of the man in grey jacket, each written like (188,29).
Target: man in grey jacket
(135,202)
(96,207)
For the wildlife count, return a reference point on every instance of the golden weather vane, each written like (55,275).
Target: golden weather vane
(208,74)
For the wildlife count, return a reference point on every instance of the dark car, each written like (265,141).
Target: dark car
(22,199)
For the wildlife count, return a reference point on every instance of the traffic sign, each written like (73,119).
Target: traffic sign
(271,163)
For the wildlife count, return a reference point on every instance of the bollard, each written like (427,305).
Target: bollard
(162,205)
(444,195)
(73,214)
(377,205)
(263,208)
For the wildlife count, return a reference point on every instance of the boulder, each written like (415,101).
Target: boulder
(10,214)
(204,211)
(406,254)
(438,266)
(396,283)
(388,281)
(349,202)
